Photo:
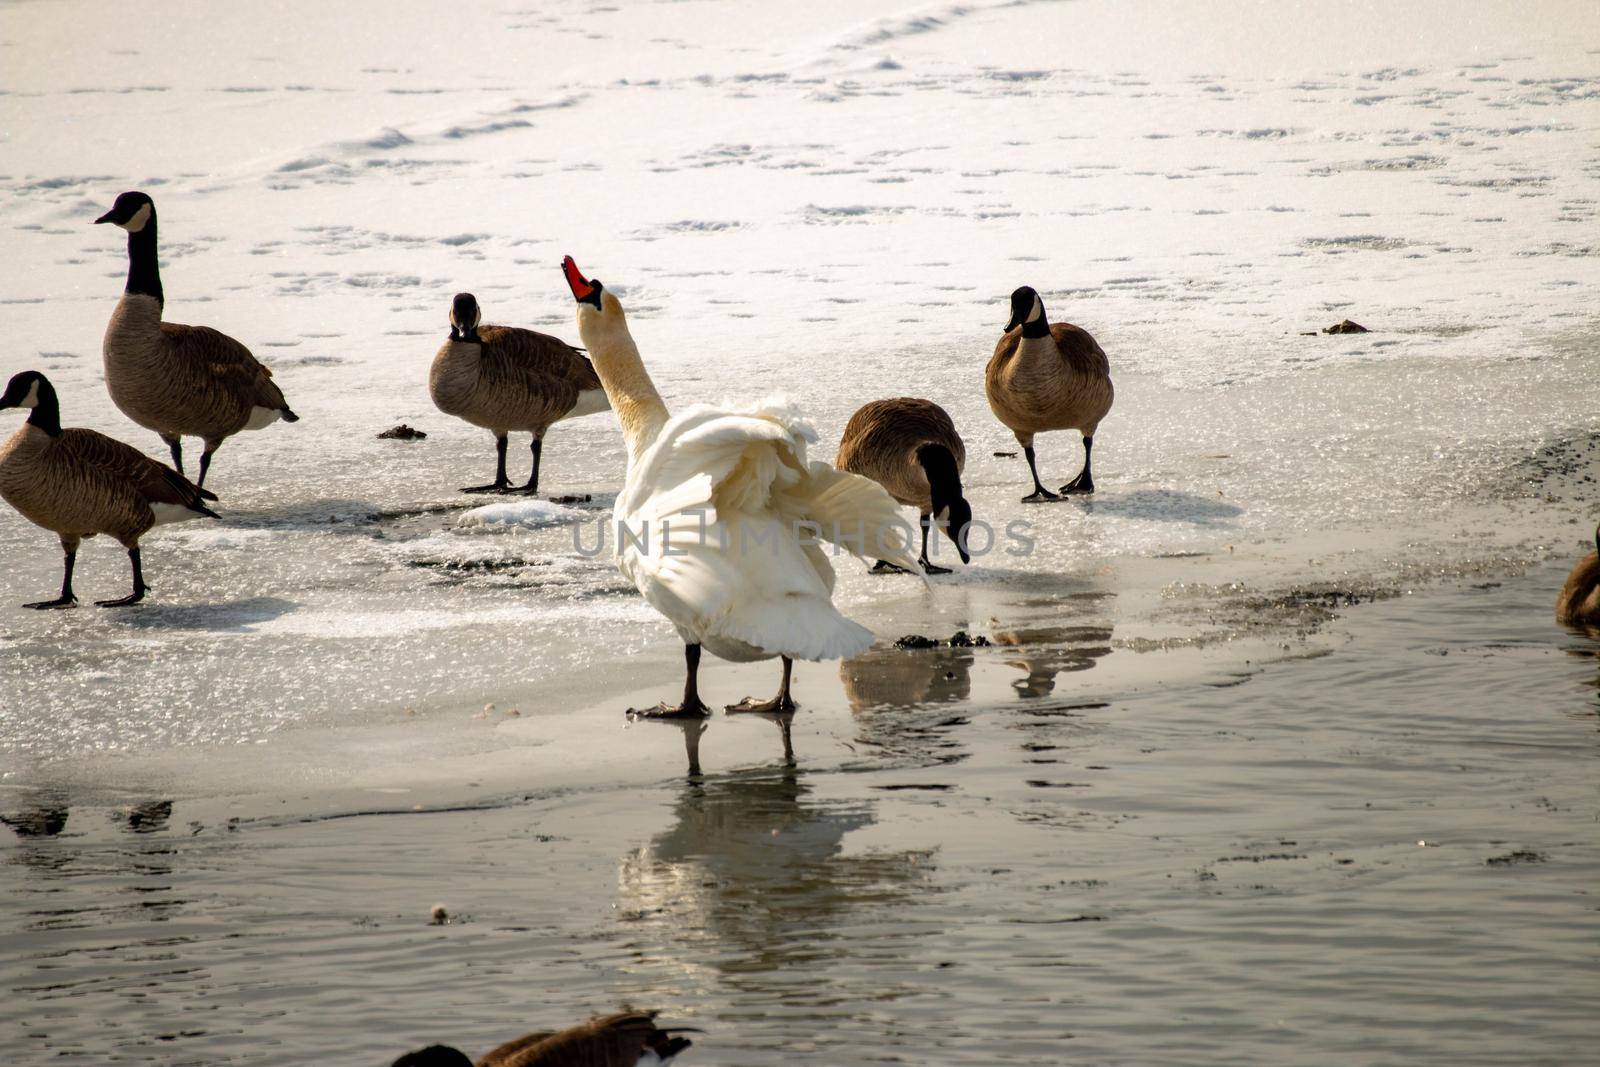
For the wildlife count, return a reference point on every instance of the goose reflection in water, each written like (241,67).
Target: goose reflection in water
(896,697)
(1046,652)
(754,870)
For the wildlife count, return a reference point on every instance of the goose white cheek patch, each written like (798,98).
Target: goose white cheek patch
(140,217)
(1038,309)
(32,399)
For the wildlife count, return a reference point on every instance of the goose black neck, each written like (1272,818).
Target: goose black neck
(1039,327)
(144,272)
(944,477)
(46,413)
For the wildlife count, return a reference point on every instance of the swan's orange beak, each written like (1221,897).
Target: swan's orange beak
(581,289)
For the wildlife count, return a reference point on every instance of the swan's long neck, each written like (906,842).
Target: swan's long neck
(627,384)
(144,272)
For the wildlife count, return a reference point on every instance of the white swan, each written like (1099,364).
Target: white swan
(721,515)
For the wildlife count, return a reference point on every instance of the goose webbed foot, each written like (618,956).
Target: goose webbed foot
(1082,485)
(883,566)
(686,710)
(932,568)
(1039,495)
(122,602)
(493,487)
(67,601)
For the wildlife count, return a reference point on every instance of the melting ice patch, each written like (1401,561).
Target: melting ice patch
(530,513)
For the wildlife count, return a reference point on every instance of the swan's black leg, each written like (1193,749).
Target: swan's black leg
(692,706)
(501,483)
(780,703)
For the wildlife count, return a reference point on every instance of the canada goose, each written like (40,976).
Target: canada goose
(625,1039)
(911,448)
(1046,376)
(1579,602)
(79,483)
(503,379)
(736,489)
(174,379)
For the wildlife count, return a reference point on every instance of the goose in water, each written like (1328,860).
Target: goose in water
(504,379)
(720,516)
(1048,376)
(625,1039)
(911,448)
(78,483)
(1579,602)
(178,380)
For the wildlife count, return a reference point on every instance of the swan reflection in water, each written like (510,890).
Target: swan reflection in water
(694,730)
(755,871)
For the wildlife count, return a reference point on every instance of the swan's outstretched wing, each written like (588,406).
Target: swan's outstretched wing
(721,516)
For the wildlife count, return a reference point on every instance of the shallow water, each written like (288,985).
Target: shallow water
(1383,854)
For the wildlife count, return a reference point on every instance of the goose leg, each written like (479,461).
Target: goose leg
(501,483)
(927,567)
(692,706)
(66,599)
(1040,493)
(1083,484)
(533,479)
(139,588)
(783,702)
(205,465)
(175,443)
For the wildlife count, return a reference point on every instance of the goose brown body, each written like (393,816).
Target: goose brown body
(1579,602)
(185,381)
(513,380)
(1059,382)
(616,1040)
(881,441)
(81,483)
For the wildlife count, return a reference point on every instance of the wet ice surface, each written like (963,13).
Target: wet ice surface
(1316,863)
(835,203)
(1197,209)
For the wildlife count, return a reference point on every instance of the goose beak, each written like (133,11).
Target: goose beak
(106,217)
(583,290)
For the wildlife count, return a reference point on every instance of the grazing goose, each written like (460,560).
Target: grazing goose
(503,379)
(735,490)
(1579,602)
(79,483)
(911,448)
(178,380)
(1046,376)
(626,1039)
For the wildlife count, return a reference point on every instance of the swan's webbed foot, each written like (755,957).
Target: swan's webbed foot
(663,710)
(67,601)
(493,487)
(883,566)
(1039,495)
(122,602)
(1082,485)
(781,704)
(931,568)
